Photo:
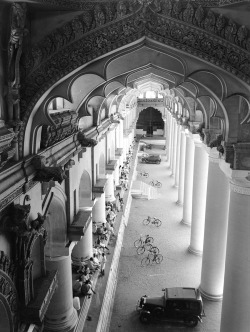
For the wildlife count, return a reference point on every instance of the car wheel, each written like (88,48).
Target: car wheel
(191,321)
(145,318)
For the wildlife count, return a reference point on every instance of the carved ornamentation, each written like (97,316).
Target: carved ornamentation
(200,131)
(19,220)
(84,141)
(241,156)
(15,48)
(216,143)
(65,125)
(7,148)
(45,173)
(207,44)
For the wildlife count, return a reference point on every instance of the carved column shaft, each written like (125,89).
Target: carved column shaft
(182,167)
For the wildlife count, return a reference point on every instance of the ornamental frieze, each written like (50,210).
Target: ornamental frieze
(179,33)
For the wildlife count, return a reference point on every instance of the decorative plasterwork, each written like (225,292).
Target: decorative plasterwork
(190,29)
(65,124)
(239,189)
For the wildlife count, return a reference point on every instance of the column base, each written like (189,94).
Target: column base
(61,324)
(194,251)
(210,297)
(179,203)
(185,223)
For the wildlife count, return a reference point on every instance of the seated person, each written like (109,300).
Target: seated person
(87,289)
(96,260)
(101,244)
(91,265)
(77,287)
(81,265)
(110,228)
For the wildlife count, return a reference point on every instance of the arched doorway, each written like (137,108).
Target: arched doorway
(150,120)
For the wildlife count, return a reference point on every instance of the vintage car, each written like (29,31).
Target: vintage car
(177,304)
(151,159)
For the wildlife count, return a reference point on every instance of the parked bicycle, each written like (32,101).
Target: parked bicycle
(148,246)
(151,258)
(152,220)
(155,183)
(143,239)
(144,174)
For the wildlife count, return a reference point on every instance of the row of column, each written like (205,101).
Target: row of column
(61,316)
(216,204)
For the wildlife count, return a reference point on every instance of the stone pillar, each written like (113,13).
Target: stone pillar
(84,248)
(174,147)
(182,167)
(188,182)
(116,173)
(99,207)
(170,141)
(215,234)
(61,316)
(109,189)
(199,197)
(177,163)
(236,296)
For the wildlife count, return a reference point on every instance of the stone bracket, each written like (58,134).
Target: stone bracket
(99,187)
(79,225)
(119,152)
(111,166)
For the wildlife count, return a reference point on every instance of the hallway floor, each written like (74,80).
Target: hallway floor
(178,268)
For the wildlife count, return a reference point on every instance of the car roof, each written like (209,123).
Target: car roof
(182,293)
(154,156)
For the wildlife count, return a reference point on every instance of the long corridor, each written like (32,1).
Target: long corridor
(178,268)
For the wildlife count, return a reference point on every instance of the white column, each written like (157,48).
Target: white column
(174,146)
(170,141)
(182,167)
(199,197)
(236,296)
(188,183)
(109,189)
(215,234)
(84,248)
(177,163)
(98,213)
(61,316)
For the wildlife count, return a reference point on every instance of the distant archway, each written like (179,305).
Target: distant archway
(85,190)
(150,121)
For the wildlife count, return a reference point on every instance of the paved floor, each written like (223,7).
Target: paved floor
(179,267)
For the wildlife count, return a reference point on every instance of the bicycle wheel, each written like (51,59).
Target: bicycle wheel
(158,258)
(154,250)
(146,221)
(149,240)
(140,250)
(157,222)
(138,243)
(151,183)
(145,261)
(148,246)
(158,184)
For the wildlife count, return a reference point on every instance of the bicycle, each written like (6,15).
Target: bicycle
(155,183)
(152,220)
(152,249)
(144,174)
(151,258)
(143,239)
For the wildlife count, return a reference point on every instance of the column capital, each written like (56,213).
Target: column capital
(240,182)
